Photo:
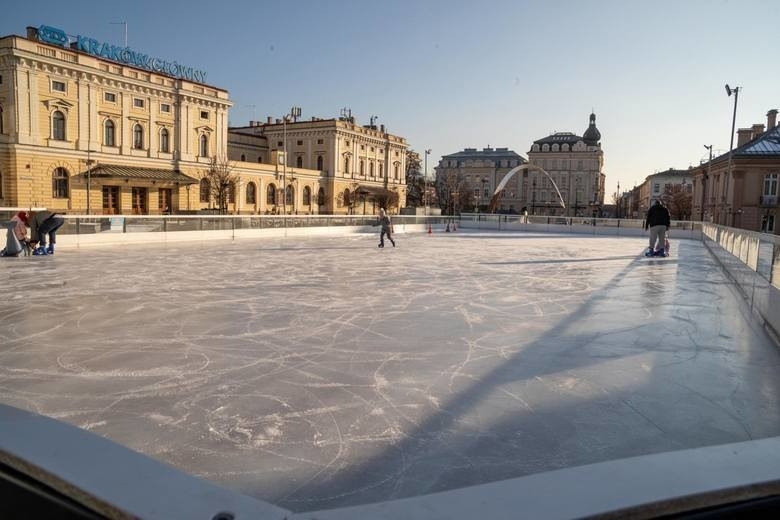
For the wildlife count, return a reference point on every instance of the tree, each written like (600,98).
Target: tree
(387,200)
(222,182)
(415,183)
(452,193)
(679,201)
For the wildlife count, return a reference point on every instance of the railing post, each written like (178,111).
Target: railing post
(78,226)
(165,224)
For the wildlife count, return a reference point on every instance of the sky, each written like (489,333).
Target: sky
(453,74)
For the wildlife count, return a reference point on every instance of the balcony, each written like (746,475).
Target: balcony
(768,201)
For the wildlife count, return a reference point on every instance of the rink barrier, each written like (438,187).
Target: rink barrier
(752,261)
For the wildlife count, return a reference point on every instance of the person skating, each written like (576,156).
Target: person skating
(387,227)
(657,222)
(16,237)
(44,224)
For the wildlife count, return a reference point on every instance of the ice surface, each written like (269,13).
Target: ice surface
(324,372)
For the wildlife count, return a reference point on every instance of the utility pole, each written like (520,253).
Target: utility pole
(704,183)
(730,91)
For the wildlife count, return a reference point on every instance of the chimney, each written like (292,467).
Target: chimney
(32,33)
(252,123)
(269,120)
(743,135)
(382,128)
(757,129)
(771,119)
(278,121)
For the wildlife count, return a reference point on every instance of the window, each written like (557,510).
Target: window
(371,169)
(58,86)
(396,170)
(362,147)
(259,158)
(108,133)
(138,103)
(289,195)
(362,167)
(59,183)
(1,185)
(231,192)
(204,114)
(656,188)
(319,141)
(565,147)
(109,97)
(346,143)
(319,162)
(346,164)
(770,184)
(579,165)
(299,161)
(306,196)
(243,157)
(270,194)
(204,145)
(2,130)
(347,198)
(58,125)
(165,107)
(476,193)
(251,193)
(205,189)
(381,170)
(280,144)
(164,141)
(321,197)
(768,224)
(138,137)
(300,143)
(545,147)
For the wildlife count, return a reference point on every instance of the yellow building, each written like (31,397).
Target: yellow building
(82,132)
(89,127)
(333,165)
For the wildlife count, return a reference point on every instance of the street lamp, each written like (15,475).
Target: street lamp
(730,91)
(89,179)
(425,181)
(704,183)
(533,198)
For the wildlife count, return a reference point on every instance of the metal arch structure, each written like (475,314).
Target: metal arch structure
(510,174)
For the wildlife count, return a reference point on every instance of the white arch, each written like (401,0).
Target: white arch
(510,174)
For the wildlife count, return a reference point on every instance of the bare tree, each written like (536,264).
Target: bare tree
(221,183)
(452,193)
(387,200)
(678,201)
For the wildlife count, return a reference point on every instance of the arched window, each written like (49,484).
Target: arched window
(58,125)
(306,196)
(205,189)
(319,162)
(299,161)
(260,158)
(565,147)
(362,167)
(371,169)
(243,157)
(346,164)
(545,147)
(108,133)
(138,137)
(555,147)
(204,145)
(535,148)
(381,171)
(270,194)
(396,170)
(289,195)
(347,197)
(231,192)
(59,183)
(251,193)
(165,146)
(321,197)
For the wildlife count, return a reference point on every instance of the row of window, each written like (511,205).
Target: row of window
(362,168)
(58,132)
(271,194)
(555,147)
(502,163)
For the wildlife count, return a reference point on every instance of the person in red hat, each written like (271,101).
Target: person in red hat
(16,238)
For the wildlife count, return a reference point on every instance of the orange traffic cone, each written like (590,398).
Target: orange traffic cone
(430,229)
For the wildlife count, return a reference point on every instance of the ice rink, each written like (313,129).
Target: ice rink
(324,372)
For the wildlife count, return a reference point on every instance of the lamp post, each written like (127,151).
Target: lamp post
(619,201)
(484,181)
(295,113)
(89,179)
(730,91)
(704,183)
(425,181)
(533,198)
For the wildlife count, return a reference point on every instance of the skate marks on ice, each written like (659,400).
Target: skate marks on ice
(318,373)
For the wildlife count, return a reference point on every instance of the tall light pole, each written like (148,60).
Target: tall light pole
(619,201)
(425,181)
(89,179)
(704,183)
(295,113)
(730,91)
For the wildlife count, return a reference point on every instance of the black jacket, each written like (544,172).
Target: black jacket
(657,215)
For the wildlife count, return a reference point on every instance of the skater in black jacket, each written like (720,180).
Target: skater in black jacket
(657,222)
(387,227)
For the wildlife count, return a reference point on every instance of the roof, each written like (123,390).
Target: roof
(559,138)
(671,172)
(765,145)
(485,153)
(135,172)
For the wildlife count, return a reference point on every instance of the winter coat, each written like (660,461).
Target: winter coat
(36,219)
(657,215)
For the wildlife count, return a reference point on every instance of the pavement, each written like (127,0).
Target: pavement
(324,372)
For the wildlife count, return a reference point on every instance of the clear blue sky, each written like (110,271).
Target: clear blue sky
(453,74)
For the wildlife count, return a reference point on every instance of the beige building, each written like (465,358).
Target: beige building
(475,175)
(575,164)
(748,198)
(348,166)
(657,184)
(81,132)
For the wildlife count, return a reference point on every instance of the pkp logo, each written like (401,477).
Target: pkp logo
(52,35)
